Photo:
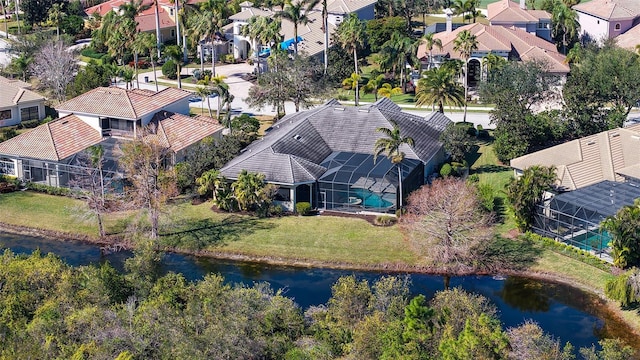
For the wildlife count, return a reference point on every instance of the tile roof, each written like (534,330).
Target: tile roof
(179,131)
(55,141)
(630,39)
(15,92)
(507,11)
(610,9)
(345,6)
(590,160)
(121,103)
(499,39)
(293,151)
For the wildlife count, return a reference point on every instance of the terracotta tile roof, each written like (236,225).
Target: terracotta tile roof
(178,131)
(610,9)
(121,103)
(498,39)
(629,39)
(15,82)
(147,20)
(590,160)
(54,141)
(12,93)
(510,11)
(345,6)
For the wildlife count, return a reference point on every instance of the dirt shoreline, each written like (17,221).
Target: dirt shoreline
(612,307)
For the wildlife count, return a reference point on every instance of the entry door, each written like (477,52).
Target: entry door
(323,198)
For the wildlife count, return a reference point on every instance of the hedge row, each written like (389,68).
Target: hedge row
(569,250)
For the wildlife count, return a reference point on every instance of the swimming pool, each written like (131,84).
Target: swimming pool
(371,199)
(591,241)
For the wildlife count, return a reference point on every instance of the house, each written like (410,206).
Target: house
(18,103)
(511,43)
(108,117)
(508,13)
(325,156)
(612,155)
(312,34)
(606,19)
(597,175)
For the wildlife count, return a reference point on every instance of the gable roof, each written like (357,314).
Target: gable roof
(55,141)
(610,9)
(15,92)
(179,131)
(507,11)
(123,104)
(501,39)
(608,155)
(629,39)
(292,152)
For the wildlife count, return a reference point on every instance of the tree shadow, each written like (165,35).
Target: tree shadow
(491,168)
(502,254)
(203,233)
(500,208)
(473,155)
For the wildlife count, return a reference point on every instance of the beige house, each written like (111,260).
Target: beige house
(18,103)
(612,155)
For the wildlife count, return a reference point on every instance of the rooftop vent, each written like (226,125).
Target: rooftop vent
(615,134)
(591,142)
(363,110)
(339,108)
(297,137)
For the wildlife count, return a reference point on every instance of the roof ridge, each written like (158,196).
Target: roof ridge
(295,158)
(133,108)
(18,95)
(55,149)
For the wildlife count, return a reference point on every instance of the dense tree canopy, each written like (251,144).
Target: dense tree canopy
(525,193)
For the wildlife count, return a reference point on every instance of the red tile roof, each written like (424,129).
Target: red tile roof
(509,11)
(123,104)
(610,9)
(54,141)
(179,131)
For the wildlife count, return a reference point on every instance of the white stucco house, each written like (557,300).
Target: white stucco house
(18,103)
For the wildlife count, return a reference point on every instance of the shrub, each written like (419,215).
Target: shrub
(470,128)
(486,195)
(385,220)
(29,124)
(8,133)
(169,70)
(567,250)
(106,59)
(303,208)
(197,74)
(228,59)
(473,178)
(51,190)
(275,210)
(446,170)
(8,183)
(624,288)
(400,212)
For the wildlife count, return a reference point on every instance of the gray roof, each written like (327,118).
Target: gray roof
(604,198)
(292,152)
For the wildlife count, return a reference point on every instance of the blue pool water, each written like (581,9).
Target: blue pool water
(371,199)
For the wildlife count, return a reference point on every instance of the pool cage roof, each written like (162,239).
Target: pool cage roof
(596,202)
(361,171)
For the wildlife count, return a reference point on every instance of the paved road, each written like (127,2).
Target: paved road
(5,57)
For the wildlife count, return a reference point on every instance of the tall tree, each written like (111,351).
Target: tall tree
(174,52)
(207,23)
(373,85)
(350,36)
(439,87)
(525,193)
(296,12)
(148,41)
(430,42)
(624,229)
(465,43)
(564,26)
(446,224)
(389,145)
(56,15)
(55,67)
(152,183)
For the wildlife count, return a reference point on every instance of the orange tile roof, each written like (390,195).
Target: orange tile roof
(54,141)
(610,9)
(121,103)
(179,131)
(509,11)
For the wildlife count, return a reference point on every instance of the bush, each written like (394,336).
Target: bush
(470,128)
(7,133)
(568,250)
(91,53)
(275,210)
(169,70)
(9,183)
(385,220)
(142,64)
(106,59)
(29,124)
(400,212)
(303,208)
(51,190)
(486,195)
(228,59)
(474,178)
(446,170)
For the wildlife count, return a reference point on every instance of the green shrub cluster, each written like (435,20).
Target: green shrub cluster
(446,170)
(569,250)
(303,208)
(169,70)
(51,190)
(385,220)
(91,53)
(623,288)
(29,124)
(7,133)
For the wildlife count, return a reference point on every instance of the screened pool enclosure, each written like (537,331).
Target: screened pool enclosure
(355,182)
(574,217)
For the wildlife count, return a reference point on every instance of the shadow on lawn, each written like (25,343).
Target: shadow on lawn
(509,254)
(490,168)
(203,233)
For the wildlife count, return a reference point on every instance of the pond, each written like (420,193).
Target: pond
(568,313)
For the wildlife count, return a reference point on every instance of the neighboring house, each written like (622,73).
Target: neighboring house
(108,117)
(508,42)
(18,103)
(606,19)
(612,155)
(312,34)
(508,13)
(597,175)
(324,156)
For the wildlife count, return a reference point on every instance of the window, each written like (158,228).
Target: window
(30,113)
(617,27)
(173,33)
(171,12)
(5,114)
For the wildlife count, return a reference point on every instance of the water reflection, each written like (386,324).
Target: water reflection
(526,294)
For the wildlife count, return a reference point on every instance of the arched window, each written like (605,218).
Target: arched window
(617,27)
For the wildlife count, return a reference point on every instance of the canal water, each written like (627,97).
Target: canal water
(567,313)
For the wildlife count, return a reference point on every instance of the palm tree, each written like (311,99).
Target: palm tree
(263,31)
(56,15)
(350,35)
(247,189)
(209,181)
(386,90)
(373,85)
(174,52)
(207,22)
(139,46)
(390,147)
(296,12)
(219,87)
(430,42)
(148,42)
(20,65)
(439,87)
(492,62)
(564,24)
(204,92)
(126,73)
(351,83)
(465,43)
